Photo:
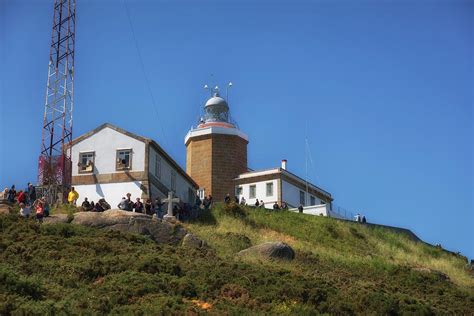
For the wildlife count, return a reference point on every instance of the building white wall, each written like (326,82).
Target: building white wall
(112,192)
(261,193)
(182,184)
(320,210)
(105,144)
(291,195)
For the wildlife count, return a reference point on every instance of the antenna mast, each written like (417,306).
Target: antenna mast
(54,172)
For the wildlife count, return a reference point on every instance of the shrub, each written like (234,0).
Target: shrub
(234,209)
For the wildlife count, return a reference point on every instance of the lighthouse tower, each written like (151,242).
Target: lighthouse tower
(216,151)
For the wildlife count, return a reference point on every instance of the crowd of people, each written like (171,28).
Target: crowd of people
(360,218)
(150,206)
(28,201)
(258,203)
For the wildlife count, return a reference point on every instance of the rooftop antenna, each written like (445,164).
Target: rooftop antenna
(227,91)
(206,87)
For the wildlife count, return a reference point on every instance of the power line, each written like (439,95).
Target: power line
(143,71)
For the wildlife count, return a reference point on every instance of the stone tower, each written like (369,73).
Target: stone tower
(216,151)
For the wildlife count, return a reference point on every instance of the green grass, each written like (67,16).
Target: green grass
(340,268)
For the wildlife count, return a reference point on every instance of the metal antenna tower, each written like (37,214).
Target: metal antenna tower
(54,174)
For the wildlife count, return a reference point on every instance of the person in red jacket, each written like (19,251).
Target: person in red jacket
(21,197)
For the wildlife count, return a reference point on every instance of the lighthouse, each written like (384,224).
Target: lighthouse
(216,150)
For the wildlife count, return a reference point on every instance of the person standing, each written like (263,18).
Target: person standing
(158,206)
(206,203)
(300,208)
(31,192)
(72,196)
(357,218)
(257,203)
(243,201)
(129,202)
(148,207)
(123,204)
(21,197)
(11,194)
(227,198)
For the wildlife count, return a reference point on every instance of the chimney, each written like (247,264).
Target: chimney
(283,164)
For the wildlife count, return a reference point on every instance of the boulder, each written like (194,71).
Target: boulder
(5,207)
(270,250)
(58,218)
(192,241)
(130,222)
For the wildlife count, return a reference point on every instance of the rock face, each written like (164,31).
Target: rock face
(157,230)
(270,250)
(58,218)
(193,242)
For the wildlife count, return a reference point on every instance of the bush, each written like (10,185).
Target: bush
(234,209)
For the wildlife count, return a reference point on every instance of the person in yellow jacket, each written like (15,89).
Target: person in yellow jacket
(73,196)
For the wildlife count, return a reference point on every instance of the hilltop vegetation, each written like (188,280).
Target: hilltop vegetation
(340,268)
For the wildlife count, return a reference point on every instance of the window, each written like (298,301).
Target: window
(270,189)
(201,193)
(86,162)
(158,166)
(253,191)
(124,159)
(173,181)
(238,191)
(313,200)
(302,198)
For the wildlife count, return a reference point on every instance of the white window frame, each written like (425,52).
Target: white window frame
(90,165)
(118,163)
(201,193)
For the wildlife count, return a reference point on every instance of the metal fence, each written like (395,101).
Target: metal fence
(343,212)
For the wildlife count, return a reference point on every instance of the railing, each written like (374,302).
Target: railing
(342,212)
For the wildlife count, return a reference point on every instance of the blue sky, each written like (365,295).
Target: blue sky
(382,89)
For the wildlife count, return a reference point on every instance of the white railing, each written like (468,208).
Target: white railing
(325,210)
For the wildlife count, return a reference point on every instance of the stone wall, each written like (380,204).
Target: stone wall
(214,160)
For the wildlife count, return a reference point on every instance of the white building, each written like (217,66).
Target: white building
(279,185)
(109,162)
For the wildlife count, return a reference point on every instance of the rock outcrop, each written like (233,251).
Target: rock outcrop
(129,222)
(270,250)
(192,241)
(5,207)
(58,218)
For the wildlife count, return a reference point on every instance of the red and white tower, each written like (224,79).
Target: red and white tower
(55,159)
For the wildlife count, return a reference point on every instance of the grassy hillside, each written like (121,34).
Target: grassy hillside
(340,268)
